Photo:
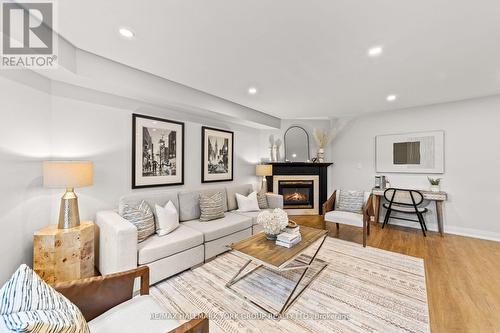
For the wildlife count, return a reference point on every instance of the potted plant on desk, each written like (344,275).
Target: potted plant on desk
(434,184)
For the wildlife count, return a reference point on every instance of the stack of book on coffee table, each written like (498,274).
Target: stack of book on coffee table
(289,237)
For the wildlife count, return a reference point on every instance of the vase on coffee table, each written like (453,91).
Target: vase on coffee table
(273,222)
(272,237)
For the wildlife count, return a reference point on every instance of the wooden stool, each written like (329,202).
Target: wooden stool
(64,254)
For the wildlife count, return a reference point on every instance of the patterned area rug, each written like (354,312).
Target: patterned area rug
(361,290)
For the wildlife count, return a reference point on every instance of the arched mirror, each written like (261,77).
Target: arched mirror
(296,144)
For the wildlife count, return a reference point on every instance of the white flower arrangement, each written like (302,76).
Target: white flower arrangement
(273,222)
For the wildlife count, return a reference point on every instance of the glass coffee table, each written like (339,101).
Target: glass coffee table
(265,253)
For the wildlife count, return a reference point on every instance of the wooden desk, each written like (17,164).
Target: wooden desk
(437,197)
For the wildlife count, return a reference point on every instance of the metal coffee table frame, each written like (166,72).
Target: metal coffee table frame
(285,267)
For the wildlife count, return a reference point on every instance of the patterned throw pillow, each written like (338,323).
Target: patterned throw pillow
(28,304)
(351,201)
(262,199)
(211,206)
(143,219)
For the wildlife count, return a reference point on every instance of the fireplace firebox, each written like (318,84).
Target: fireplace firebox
(298,194)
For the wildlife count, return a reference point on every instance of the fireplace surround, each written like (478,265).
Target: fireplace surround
(295,172)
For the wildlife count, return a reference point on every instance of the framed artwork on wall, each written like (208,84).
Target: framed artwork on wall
(216,155)
(157,152)
(420,152)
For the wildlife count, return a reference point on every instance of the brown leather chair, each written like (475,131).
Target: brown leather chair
(96,295)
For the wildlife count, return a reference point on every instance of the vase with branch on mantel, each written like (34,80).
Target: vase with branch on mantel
(323,139)
(272,151)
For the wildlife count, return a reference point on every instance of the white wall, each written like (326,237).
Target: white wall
(472,159)
(24,143)
(43,119)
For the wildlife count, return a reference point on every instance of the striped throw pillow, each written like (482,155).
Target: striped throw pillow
(262,200)
(28,304)
(211,206)
(143,219)
(351,201)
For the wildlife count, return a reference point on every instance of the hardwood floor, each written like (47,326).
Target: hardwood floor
(462,273)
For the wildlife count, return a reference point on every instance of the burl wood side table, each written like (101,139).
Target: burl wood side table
(64,254)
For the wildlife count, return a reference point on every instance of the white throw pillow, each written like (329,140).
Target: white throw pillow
(167,219)
(247,203)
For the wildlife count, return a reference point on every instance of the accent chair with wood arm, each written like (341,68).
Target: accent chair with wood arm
(337,217)
(108,305)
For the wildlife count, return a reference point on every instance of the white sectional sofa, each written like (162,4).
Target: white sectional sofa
(192,243)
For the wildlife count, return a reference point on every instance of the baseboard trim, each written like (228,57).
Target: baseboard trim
(467,232)
(474,233)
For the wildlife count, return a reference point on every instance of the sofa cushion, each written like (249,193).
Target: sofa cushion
(366,196)
(231,194)
(189,203)
(159,198)
(159,247)
(262,199)
(350,201)
(142,218)
(133,316)
(167,218)
(252,215)
(215,229)
(247,203)
(212,206)
(349,218)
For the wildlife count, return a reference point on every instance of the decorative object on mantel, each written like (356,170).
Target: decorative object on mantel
(434,184)
(68,174)
(264,170)
(277,148)
(296,145)
(421,152)
(323,139)
(273,222)
(271,148)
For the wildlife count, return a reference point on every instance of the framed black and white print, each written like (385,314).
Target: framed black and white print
(157,152)
(216,155)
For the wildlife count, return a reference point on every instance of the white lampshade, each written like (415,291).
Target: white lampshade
(264,170)
(64,174)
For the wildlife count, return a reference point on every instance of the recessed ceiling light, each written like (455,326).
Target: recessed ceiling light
(375,51)
(127,33)
(391,98)
(252,90)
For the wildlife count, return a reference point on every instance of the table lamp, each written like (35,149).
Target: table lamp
(68,174)
(264,170)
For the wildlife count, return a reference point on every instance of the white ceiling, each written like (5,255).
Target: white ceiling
(307,58)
